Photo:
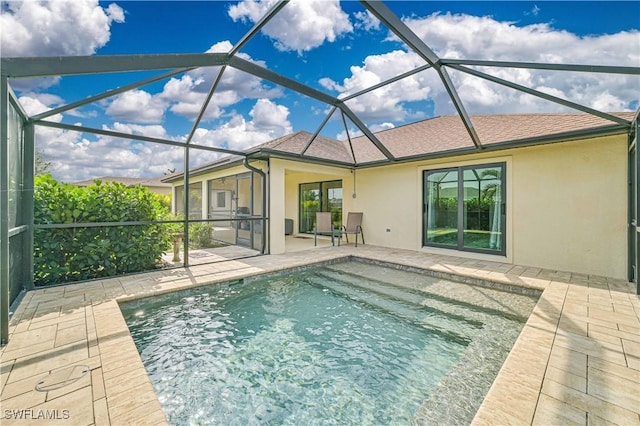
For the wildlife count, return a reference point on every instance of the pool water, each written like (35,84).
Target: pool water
(350,343)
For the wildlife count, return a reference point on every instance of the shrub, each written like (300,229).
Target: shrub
(201,235)
(71,254)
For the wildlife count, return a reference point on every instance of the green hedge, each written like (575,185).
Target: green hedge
(73,254)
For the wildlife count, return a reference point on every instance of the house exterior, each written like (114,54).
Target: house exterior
(154,184)
(543,190)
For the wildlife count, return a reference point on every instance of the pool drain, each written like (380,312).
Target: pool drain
(62,378)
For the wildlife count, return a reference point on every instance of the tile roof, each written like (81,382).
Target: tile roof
(441,134)
(431,136)
(321,147)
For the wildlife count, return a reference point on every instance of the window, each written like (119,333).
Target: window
(320,197)
(221,199)
(195,200)
(464,208)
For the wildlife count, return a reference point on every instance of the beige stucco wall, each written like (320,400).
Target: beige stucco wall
(566,203)
(570,207)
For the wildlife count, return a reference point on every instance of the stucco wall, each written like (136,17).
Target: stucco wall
(566,203)
(570,207)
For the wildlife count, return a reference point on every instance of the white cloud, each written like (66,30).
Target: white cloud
(153,131)
(463,36)
(74,157)
(534,11)
(270,117)
(269,121)
(56,28)
(137,106)
(36,103)
(366,21)
(301,25)
(385,103)
(115,13)
(186,95)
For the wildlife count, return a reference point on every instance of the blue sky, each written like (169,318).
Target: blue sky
(332,46)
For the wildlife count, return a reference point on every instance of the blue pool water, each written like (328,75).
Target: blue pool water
(350,343)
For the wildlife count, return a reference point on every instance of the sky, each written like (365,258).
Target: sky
(335,47)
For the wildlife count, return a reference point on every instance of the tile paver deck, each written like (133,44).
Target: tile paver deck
(577,360)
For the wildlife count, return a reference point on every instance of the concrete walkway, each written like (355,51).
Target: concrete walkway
(577,360)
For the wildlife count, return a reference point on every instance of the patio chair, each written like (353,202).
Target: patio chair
(353,226)
(324,226)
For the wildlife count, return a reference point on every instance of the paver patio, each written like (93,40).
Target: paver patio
(577,360)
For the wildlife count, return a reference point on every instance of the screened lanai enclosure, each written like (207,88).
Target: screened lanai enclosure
(235,215)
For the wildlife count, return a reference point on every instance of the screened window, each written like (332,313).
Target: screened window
(464,208)
(195,200)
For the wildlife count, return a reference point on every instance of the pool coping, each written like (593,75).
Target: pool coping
(577,358)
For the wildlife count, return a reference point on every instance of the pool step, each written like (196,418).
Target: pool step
(472,301)
(451,327)
(406,295)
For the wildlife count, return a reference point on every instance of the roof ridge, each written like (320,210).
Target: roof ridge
(273,143)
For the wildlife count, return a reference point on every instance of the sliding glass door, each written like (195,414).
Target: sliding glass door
(320,197)
(464,208)
(441,198)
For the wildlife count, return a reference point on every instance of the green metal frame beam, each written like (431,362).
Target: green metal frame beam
(265,74)
(386,82)
(78,65)
(258,26)
(400,29)
(542,95)
(317,132)
(365,130)
(203,109)
(107,94)
(606,69)
(83,129)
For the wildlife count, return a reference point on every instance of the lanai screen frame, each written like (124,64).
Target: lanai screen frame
(180,63)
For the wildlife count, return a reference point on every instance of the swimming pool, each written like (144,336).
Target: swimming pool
(348,343)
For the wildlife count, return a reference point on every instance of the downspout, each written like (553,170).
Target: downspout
(264,201)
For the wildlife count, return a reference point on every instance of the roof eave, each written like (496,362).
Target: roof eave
(271,153)
(266,153)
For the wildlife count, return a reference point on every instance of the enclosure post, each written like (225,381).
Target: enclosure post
(27,212)
(185,203)
(4,211)
(263,185)
(633,258)
(636,197)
